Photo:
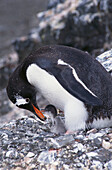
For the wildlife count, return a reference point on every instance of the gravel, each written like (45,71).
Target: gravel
(28,144)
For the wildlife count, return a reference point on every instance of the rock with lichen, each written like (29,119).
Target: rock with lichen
(84,24)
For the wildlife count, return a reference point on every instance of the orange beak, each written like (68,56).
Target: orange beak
(39,113)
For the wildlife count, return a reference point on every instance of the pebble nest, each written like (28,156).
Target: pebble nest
(28,144)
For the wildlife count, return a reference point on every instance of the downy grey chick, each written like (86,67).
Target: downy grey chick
(58,125)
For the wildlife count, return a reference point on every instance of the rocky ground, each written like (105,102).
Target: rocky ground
(28,144)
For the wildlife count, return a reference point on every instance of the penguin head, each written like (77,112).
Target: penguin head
(23,94)
(52,109)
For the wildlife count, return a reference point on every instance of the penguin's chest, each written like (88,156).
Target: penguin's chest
(47,84)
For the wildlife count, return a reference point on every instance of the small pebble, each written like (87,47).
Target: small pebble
(106,144)
(94,135)
(30,154)
(27,160)
(91,154)
(47,156)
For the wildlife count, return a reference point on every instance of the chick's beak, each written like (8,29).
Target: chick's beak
(39,113)
(43,110)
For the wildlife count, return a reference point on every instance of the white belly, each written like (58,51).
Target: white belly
(48,86)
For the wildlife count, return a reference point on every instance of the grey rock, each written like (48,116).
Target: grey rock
(7,65)
(101,157)
(96,165)
(94,135)
(75,150)
(98,141)
(91,154)
(30,154)
(24,45)
(80,137)
(74,23)
(54,3)
(12,154)
(106,60)
(84,24)
(106,144)
(109,165)
(80,165)
(80,147)
(60,141)
(47,156)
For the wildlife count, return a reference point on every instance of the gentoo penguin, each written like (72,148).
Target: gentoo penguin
(57,125)
(70,79)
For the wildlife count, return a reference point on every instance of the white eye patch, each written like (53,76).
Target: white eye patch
(21,101)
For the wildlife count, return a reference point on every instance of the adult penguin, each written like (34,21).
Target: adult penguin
(71,80)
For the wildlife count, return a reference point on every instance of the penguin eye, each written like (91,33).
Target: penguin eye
(27,100)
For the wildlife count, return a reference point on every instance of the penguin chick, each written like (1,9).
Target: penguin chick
(58,125)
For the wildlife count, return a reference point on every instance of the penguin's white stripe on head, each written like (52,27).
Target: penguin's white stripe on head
(61,62)
(20,100)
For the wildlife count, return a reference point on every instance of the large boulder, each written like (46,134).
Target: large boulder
(84,24)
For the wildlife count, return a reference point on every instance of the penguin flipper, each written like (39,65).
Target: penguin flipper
(65,76)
